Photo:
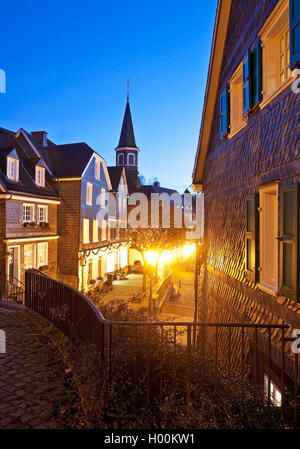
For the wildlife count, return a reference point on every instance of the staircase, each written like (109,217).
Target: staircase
(12,290)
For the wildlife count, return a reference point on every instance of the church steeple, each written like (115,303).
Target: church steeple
(127,151)
(127,139)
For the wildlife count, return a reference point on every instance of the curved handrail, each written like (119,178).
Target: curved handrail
(103,320)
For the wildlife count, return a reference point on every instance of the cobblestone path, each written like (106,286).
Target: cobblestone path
(36,389)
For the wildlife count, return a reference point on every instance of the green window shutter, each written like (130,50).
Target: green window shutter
(256,74)
(224,112)
(294,33)
(251,259)
(289,241)
(246,82)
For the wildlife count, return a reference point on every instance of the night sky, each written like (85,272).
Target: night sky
(67,62)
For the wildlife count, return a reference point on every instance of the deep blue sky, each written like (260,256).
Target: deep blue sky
(67,62)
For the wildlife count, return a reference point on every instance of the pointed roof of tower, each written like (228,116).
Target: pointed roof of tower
(127,139)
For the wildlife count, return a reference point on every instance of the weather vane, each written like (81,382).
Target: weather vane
(128,83)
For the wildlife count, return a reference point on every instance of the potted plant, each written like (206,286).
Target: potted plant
(44,224)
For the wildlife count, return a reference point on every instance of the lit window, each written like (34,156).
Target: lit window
(28,213)
(268,242)
(42,214)
(284,54)
(103,197)
(274,394)
(86,230)
(103,230)
(29,252)
(40,176)
(13,169)
(95,231)
(276,49)
(97,169)
(110,262)
(236,99)
(42,254)
(89,193)
(131,159)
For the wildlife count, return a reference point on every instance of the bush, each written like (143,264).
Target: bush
(144,384)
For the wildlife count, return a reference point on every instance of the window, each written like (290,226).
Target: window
(224,112)
(89,193)
(110,263)
(272,392)
(123,257)
(42,254)
(236,99)
(275,36)
(121,159)
(29,259)
(13,169)
(284,54)
(131,159)
(40,176)
(28,213)
(86,230)
(42,214)
(97,169)
(103,198)
(103,229)
(268,241)
(95,231)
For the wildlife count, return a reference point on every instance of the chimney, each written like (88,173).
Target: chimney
(156,184)
(41,137)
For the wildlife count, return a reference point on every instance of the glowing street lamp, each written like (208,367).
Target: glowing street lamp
(151,257)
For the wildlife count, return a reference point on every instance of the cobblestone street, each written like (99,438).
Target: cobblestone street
(36,389)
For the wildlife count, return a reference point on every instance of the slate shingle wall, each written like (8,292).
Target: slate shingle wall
(267,149)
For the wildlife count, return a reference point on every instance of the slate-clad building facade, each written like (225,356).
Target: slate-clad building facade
(248,168)
(28,206)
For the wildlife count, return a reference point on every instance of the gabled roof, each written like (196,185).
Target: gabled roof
(69,160)
(127,139)
(115,174)
(9,142)
(214,70)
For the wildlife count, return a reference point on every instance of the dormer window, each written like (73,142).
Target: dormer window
(40,176)
(131,159)
(97,169)
(13,169)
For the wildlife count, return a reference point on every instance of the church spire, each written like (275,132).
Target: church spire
(127,139)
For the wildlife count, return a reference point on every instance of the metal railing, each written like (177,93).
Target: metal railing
(226,345)
(12,290)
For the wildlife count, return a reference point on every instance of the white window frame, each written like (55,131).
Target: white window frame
(14,164)
(32,213)
(85,231)
(97,169)
(95,231)
(121,155)
(237,121)
(134,160)
(42,247)
(40,176)
(45,209)
(89,193)
(264,233)
(277,22)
